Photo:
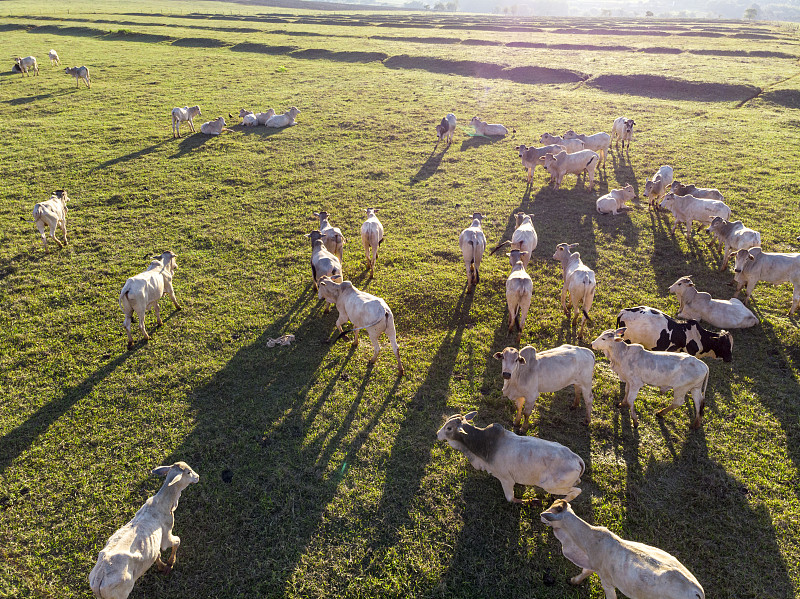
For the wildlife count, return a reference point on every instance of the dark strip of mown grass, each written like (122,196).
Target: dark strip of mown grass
(655,86)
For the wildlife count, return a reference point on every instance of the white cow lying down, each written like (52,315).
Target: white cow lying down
(640,571)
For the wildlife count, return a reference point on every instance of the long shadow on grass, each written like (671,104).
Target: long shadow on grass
(36,98)
(273,440)
(191,143)
(430,166)
(623,169)
(131,155)
(17,440)
(692,508)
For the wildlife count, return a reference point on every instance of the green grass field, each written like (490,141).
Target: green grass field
(320,475)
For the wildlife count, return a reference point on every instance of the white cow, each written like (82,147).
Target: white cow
(27,64)
(637,367)
(686,209)
(446,128)
(249,119)
(371,238)
(54,60)
(570,145)
(523,239)
(706,193)
(753,266)
(622,130)
(365,311)
(215,127)
(533,157)
(79,73)
(599,142)
(284,120)
(562,164)
(484,128)
(472,242)
(699,305)
(263,117)
(519,291)
(640,571)
(579,282)
(514,459)
(732,237)
(527,373)
(331,236)
(181,115)
(323,262)
(51,214)
(142,292)
(655,188)
(614,201)
(136,546)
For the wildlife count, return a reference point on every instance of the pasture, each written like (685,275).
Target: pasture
(320,475)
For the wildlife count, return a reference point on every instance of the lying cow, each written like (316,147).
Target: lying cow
(527,373)
(562,164)
(365,311)
(640,571)
(655,330)
(513,459)
(753,266)
(686,209)
(732,237)
(637,367)
(699,305)
(614,201)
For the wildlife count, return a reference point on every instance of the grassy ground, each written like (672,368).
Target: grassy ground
(321,475)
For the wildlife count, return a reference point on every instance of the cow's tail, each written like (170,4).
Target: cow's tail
(504,244)
(586,316)
(583,469)
(124,293)
(703,398)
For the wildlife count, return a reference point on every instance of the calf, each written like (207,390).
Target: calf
(640,571)
(614,201)
(754,265)
(365,311)
(523,239)
(371,238)
(637,367)
(519,291)
(655,330)
(27,64)
(323,263)
(732,237)
(185,114)
(698,192)
(51,214)
(142,292)
(562,164)
(599,142)
(446,128)
(331,236)
(699,305)
(527,373)
(686,209)
(622,130)
(54,60)
(472,242)
(215,127)
(655,188)
(532,157)
(579,282)
(513,459)
(486,129)
(79,73)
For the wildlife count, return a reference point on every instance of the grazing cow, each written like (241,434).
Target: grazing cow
(79,73)
(519,291)
(472,242)
(365,311)
(51,214)
(571,145)
(54,60)
(655,188)
(614,201)
(655,330)
(136,546)
(686,209)
(331,236)
(533,157)
(527,373)
(622,130)
(371,238)
(637,367)
(562,164)
(446,128)
(523,239)
(699,192)
(640,571)
(323,262)
(142,292)
(599,142)
(754,265)
(513,459)
(699,305)
(733,237)
(579,282)
(185,114)
(27,64)
(485,129)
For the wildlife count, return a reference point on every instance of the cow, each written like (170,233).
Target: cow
(753,266)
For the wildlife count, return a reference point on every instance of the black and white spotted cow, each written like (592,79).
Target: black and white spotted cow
(657,331)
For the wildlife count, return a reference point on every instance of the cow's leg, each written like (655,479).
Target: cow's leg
(520,405)
(749,291)
(467,266)
(511,313)
(508,489)
(64,229)
(523,313)
(171,292)
(157,310)
(564,299)
(41,227)
(725,259)
(527,424)
(699,404)
(677,400)
(53,226)
(572,493)
(391,333)
(795,298)
(355,339)
(633,391)
(191,125)
(477,263)
(127,324)
(608,589)
(586,391)
(140,315)
(376,344)
(585,573)
(365,244)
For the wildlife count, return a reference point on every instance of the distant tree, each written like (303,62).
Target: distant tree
(605,12)
(452,6)
(649,13)
(514,9)
(438,6)
(505,10)
(414,5)
(752,13)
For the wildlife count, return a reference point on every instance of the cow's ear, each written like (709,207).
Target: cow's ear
(498,355)
(521,360)
(471,415)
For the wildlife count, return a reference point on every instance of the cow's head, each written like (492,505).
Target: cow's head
(522,148)
(321,215)
(511,359)
(453,426)
(570,135)
(516,256)
(520,217)
(681,285)
(717,224)
(564,251)
(744,258)
(476,216)
(371,212)
(546,138)
(328,289)
(607,339)
(669,198)
(556,513)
